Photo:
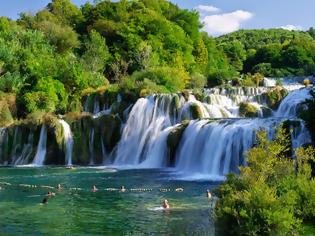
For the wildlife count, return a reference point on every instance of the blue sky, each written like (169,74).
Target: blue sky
(219,16)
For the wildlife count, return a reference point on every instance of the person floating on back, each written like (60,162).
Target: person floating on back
(94,189)
(122,189)
(165,204)
(208,194)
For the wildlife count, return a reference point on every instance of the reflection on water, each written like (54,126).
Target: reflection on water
(75,210)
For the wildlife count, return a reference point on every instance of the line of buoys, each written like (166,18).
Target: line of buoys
(27,185)
(106,189)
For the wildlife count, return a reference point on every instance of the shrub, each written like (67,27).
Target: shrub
(254,80)
(306,82)
(173,79)
(5,114)
(273,195)
(248,110)
(197,81)
(275,96)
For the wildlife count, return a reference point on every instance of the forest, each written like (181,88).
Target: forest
(49,60)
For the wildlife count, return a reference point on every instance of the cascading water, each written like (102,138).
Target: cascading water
(146,121)
(207,148)
(154,133)
(291,103)
(41,147)
(68,142)
(91,146)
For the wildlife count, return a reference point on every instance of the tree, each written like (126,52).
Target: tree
(270,196)
(96,53)
(66,12)
(143,55)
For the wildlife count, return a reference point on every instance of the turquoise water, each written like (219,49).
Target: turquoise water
(81,212)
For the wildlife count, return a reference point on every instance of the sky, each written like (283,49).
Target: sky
(219,16)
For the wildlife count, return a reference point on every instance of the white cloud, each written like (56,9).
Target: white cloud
(207,8)
(292,27)
(226,22)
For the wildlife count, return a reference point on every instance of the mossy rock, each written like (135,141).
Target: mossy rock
(248,110)
(275,96)
(185,94)
(199,95)
(207,99)
(109,128)
(80,132)
(173,141)
(19,141)
(175,101)
(195,111)
(145,92)
(6,117)
(266,111)
(289,124)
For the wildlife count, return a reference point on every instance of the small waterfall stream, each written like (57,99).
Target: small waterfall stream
(68,142)
(41,147)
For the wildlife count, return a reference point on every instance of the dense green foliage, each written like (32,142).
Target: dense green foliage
(273,195)
(52,59)
(274,52)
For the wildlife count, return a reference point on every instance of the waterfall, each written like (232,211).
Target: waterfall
(91,146)
(41,147)
(68,142)
(207,148)
(291,103)
(2,142)
(215,149)
(147,119)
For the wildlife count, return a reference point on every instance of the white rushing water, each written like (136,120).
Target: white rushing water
(207,149)
(68,142)
(41,148)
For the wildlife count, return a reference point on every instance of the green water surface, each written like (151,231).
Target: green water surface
(75,210)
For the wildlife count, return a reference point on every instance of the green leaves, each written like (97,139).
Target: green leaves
(270,196)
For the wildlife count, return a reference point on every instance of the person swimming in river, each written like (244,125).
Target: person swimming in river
(208,194)
(59,187)
(165,204)
(50,194)
(122,189)
(94,189)
(45,200)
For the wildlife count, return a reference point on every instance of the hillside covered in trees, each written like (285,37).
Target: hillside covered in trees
(49,60)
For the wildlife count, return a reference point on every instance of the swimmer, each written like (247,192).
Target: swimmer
(50,194)
(165,204)
(59,187)
(122,189)
(94,189)
(208,194)
(179,190)
(45,200)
